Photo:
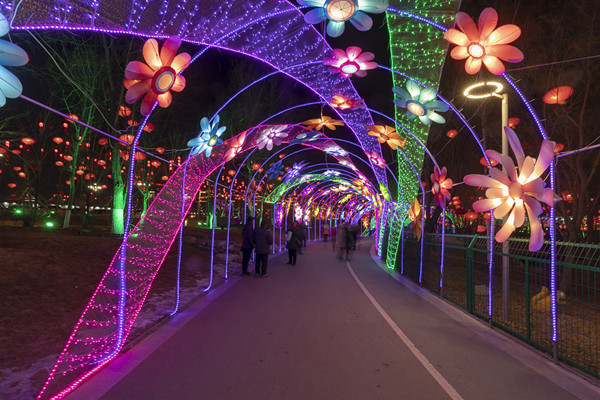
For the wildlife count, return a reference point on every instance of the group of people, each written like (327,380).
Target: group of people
(345,240)
(259,239)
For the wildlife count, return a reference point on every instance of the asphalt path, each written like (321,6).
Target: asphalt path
(329,329)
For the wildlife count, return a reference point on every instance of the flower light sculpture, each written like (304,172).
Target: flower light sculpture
(271,136)
(208,138)
(440,186)
(340,11)
(486,45)
(275,170)
(306,137)
(235,146)
(518,193)
(336,151)
(345,103)
(350,62)
(376,159)
(558,95)
(324,121)
(420,102)
(11,55)
(331,172)
(294,172)
(155,79)
(386,134)
(415,215)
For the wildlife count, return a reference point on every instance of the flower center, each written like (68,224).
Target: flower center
(349,67)
(416,108)
(476,50)
(436,187)
(515,190)
(340,10)
(163,80)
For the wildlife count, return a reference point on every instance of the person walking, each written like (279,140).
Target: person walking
(341,241)
(263,239)
(292,244)
(247,245)
(325,232)
(300,232)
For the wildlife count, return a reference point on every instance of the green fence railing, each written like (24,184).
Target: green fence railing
(520,281)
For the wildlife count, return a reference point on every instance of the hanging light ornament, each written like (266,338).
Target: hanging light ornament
(340,11)
(324,121)
(486,45)
(415,215)
(420,102)
(558,95)
(519,192)
(155,80)
(386,134)
(350,62)
(11,55)
(513,121)
(452,133)
(124,111)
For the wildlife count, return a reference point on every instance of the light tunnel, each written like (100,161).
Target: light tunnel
(292,48)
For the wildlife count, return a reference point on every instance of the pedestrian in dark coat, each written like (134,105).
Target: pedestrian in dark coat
(263,239)
(293,242)
(247,245)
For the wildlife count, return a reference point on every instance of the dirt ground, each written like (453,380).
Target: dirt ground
(48,276)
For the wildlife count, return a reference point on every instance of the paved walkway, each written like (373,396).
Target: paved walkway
(327,329)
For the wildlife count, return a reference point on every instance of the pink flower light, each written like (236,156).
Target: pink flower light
(440,186)
(486,45)
(350,62)
(155,80)
(235,146)
(376,160)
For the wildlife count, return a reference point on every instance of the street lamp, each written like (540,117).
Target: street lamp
(484,90)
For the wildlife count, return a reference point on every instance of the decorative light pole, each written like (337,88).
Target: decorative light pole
(484,90)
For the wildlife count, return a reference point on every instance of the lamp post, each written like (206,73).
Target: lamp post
(483,90)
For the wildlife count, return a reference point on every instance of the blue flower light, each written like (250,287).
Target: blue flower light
(340,11)
(208,138)
(13,56)
(420,103)
(294,172)
(275,170)
(306,137)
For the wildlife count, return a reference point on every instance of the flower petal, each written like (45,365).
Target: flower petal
(496,193)
(515,145)
(488,20)
(526,169)
(361,21)
(138,90)
(427,94)
(505,52)
(4,25)
(151,54)
(360,73)
(457,37)
(504,208)
(437,105)
(536,238)
(493,64)
(180,62)
(519,214)
(136,70)
(472,65)
(504,34)
(414,89)
(504,233)
(12,55)
(169,50)
(374,6)
(482,180)
(148,103)
(466,24)
(364,57)
(499,176)
(486,204)
(164,99)
(9,84)
(335,28)
(312,3)
(459,53)
(204,125)
(353,52)
(401,93)
(179,84)
(544,158)
(435,117)
(315,16)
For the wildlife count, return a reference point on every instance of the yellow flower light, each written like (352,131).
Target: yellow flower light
(386,134)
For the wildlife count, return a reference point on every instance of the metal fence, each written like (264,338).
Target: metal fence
(520,289)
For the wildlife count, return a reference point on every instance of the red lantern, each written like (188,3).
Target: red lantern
(452,133)
(17,168)
(132,122)
(481,228)
(483,162)
(79,172)
(102,141)
(127,138)
(160,150)
(255,167)
(155,163)
(68,158)
(513,121)
(101,162)
(59,163)
(3,150)
(231,172)
(22,174)
(28,141)
(558,95)
(281,156)
(559,147)
(124,111)
(149,127)
(16,151)
(487,216)
(12,185)
(471,215)
(165,178)
(57,140)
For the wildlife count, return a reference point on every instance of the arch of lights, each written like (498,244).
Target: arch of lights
(155,18)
